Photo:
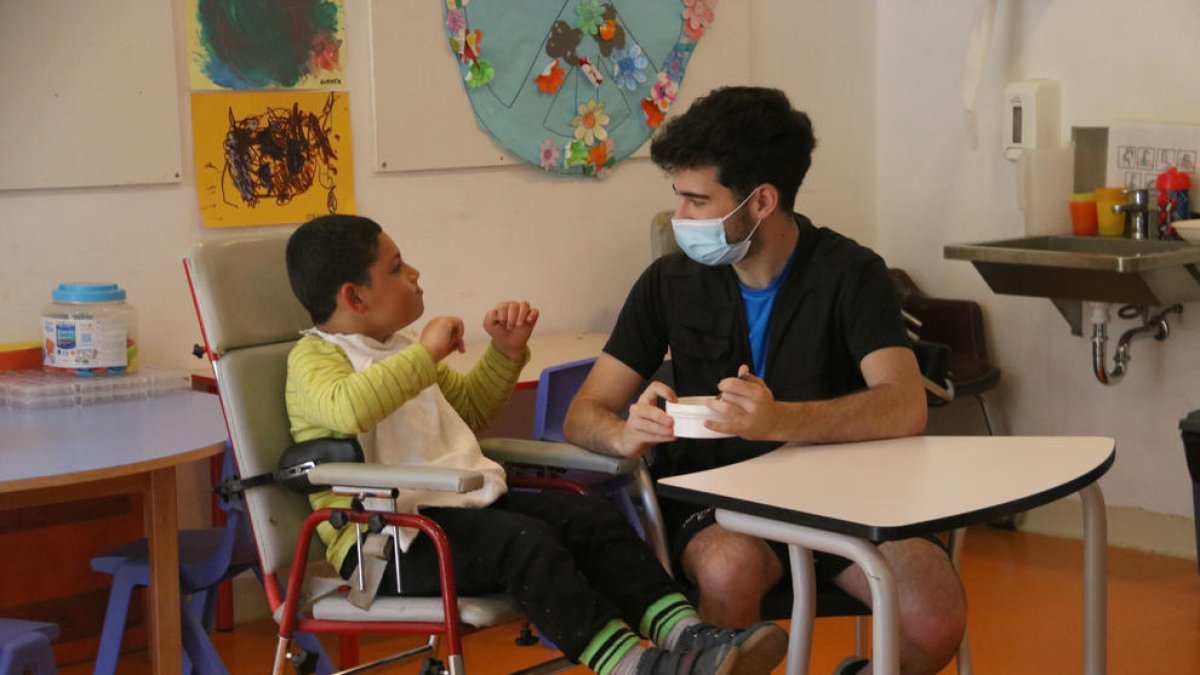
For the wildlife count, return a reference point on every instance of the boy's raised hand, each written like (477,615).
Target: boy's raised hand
(510,323)
(442,335)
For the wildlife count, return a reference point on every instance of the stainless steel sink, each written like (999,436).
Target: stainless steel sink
(1100,269)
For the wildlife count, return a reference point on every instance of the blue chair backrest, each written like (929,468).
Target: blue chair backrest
(236,548)
(556,387)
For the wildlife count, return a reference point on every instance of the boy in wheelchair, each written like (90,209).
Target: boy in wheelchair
(572,563)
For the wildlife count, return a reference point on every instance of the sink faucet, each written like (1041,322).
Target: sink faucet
(1137,213)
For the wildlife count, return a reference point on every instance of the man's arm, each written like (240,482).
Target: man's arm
(892,405)
(594,421)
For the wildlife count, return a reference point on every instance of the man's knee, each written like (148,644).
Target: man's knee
(935,622)
(730,564)
(932,603)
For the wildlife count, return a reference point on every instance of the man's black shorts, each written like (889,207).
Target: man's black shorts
(684,520)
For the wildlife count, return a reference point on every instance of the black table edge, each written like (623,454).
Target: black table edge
(880,534)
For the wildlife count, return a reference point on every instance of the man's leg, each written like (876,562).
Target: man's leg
(733,572)
(933,608)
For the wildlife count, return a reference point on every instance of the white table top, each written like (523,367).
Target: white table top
(892,489)
(545,350)
(49,445)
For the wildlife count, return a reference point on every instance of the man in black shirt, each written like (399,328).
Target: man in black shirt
(799,330)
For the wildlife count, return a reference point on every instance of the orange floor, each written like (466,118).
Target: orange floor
(1025,616)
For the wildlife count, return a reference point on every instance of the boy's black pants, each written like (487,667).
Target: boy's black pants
(571,562)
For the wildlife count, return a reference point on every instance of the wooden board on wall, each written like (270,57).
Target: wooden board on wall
(88,94)
(423,119)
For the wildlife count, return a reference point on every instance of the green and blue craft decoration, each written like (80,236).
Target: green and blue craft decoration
(573,86)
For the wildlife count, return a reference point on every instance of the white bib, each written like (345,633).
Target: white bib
(426,431)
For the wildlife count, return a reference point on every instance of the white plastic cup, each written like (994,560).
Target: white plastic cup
(690,413)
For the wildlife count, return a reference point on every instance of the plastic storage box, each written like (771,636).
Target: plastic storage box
(23,389)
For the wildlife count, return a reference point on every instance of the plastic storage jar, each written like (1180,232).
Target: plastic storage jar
(89,330)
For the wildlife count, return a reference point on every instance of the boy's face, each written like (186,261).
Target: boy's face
(393,300)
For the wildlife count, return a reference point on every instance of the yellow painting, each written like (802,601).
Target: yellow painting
(272,158)
(277,44)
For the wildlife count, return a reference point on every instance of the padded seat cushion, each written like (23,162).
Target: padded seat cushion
(475,611)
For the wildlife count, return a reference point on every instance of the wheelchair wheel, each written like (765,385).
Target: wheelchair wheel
(432,666)
(305,662)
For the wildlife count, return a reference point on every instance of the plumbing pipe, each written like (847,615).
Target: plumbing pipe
(1155,327)
(1099,344)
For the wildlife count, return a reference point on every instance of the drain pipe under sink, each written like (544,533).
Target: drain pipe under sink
(1155,327)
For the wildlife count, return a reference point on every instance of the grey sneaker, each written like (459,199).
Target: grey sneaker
(692,660)
(759,648)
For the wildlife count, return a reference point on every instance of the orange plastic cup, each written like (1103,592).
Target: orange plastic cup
(1083,213)
(1109,224)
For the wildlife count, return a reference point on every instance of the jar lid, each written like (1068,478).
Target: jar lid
(88,292)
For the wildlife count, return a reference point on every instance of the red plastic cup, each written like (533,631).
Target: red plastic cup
(1083,214)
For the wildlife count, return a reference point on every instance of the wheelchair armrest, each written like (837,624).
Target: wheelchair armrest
(380,476)
(555,455)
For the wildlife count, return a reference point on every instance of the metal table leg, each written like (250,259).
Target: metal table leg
(884,598)
(804,609)
(1095,579)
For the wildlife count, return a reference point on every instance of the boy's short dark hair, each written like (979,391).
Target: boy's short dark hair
(325,253)
(751,135)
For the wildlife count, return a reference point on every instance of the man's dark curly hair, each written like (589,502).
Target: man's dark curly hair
(751,135)
(325,253)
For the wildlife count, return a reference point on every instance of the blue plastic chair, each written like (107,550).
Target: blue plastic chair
(557,386)
(207,557)
(25,647)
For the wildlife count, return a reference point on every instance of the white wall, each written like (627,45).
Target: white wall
(572,246)
(823,55)
(1115,61)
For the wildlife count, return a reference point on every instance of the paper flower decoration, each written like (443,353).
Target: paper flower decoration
(664,91)
(629,67)
(551,78)
(576,154)
(654,116)
(455,21)
(589,16)
(697,15)
(589,125)
(549,154)
(599,157)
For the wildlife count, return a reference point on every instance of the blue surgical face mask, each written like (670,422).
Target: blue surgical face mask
(703,240)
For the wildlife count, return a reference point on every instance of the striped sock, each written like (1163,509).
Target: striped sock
(664,616)
(608,646)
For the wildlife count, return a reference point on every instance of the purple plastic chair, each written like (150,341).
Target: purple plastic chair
(207,557)
(25,647)
(556,388)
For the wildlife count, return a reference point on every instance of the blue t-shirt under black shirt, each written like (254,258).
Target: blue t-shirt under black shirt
(758,302)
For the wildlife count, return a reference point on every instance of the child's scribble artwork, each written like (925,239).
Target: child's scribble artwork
(272,158)
(265,44)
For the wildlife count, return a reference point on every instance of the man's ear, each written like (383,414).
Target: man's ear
(348,297)
(764,202)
